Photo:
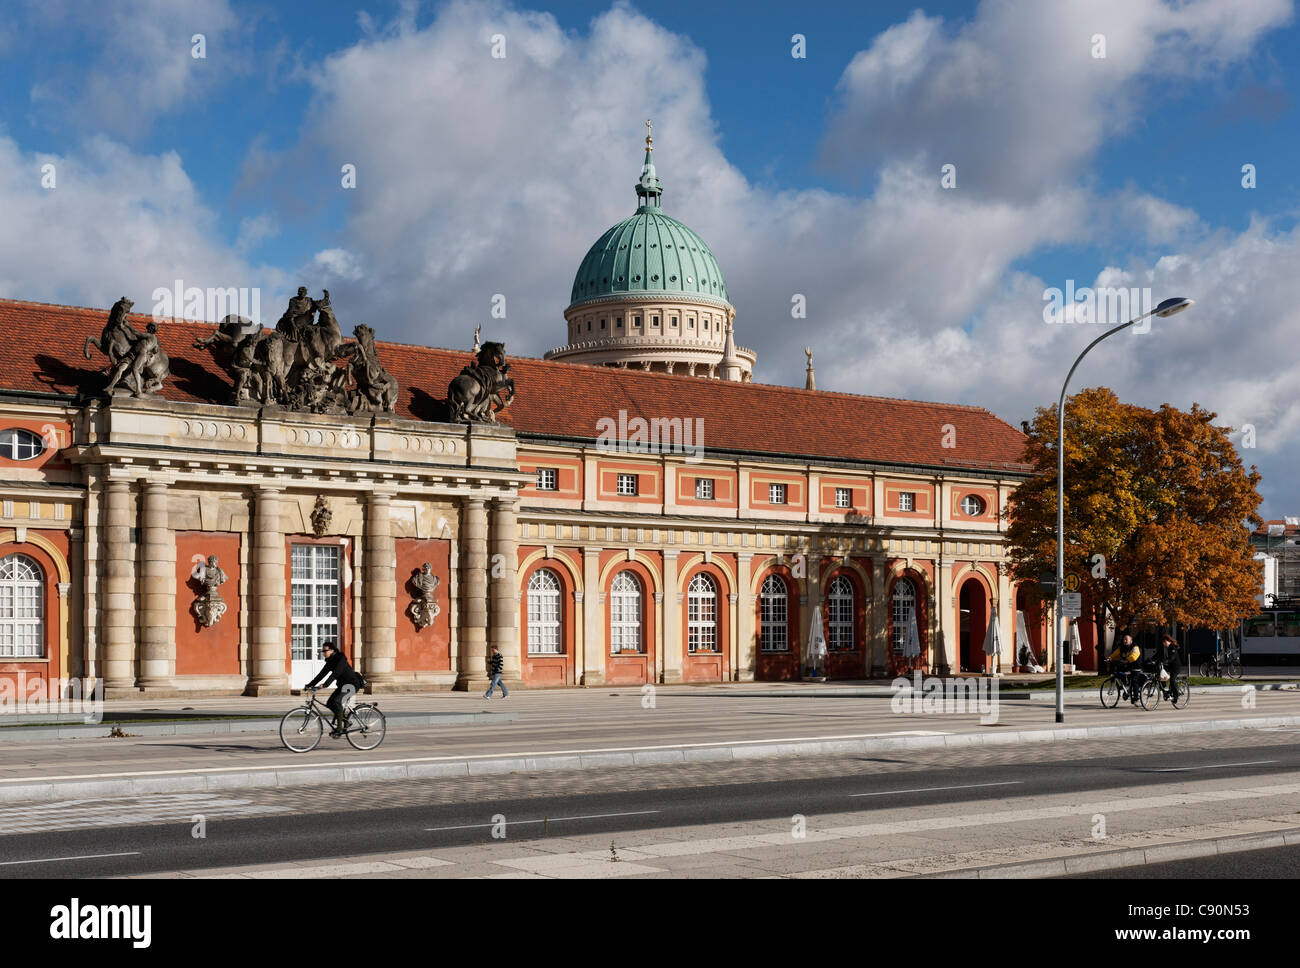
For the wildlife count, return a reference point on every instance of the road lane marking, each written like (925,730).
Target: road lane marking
(515,823)
(963,786)
(1210,766)
(299,765)
(51,860)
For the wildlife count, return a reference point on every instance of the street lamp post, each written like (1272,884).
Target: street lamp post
(1167,308)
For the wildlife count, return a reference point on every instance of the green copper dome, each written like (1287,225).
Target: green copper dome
(648,253)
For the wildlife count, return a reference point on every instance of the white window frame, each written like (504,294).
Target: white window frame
(17,443)
(625,598)
(774,615)
(548,479)
(702,614)
(978,502)
(839,615)
(903,601)
(844,497)
(776,494)
(907,500)
(312,593)
(627,485)
(544,613)
(22,608)
(704,489)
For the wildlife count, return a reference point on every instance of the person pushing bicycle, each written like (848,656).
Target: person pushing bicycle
(336,669)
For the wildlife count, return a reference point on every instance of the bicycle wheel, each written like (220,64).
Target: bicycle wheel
(367,728)
(1206,669)
(1233,669)
(1184,693)
(1150,694)
(300,729)
(1110,692)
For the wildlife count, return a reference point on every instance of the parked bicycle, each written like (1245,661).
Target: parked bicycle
(1226,663)
(1135,686)
(301,728)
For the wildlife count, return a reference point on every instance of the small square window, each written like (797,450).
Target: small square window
(627,484)
(704,489)
(776,494)
(547,479)
(906,501)
(843,497)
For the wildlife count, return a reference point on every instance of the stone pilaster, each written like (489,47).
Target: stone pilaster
(158,592)
(118,666)
(671,620)
(474,590)
(380,591)
(745,655)
(881,610)
(503,582)
(268,592)
(591,655)
(943,652)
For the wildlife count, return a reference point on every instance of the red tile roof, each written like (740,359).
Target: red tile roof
(41,351)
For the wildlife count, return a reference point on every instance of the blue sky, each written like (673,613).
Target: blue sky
(816,175)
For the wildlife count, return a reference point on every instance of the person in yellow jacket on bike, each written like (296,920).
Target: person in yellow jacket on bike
(1123,660)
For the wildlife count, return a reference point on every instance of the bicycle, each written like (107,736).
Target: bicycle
(1227,664)
(301,728)
(1136,686)
(1184,693)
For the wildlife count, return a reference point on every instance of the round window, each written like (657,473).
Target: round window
(972,506)
(17,444)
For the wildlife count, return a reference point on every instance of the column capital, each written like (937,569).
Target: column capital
(64,587)
(381,494)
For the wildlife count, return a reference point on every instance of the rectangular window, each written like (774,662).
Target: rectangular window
(602,324)
(776,494)
(704,489)
(589,326)
(547,479)
(654,322)
(315,599)
(906,501)
(672,321)
(706,325)
(627,484)
(690,324)
(843,497)
(636,322)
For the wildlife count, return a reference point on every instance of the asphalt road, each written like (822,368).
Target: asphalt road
(388,817)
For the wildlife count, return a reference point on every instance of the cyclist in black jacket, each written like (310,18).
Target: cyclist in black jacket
(337,670)
(1168,656)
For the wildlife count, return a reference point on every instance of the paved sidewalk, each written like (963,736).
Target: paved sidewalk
(553,734)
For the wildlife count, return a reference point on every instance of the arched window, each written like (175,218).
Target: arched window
(702,615)
(544,613)
(22,612)
(904,611)
(773,613)
(625,613)
(839,614)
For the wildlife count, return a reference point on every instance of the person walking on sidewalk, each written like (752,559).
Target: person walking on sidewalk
(496,664)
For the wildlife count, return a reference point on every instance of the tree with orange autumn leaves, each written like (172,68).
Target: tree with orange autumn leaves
(1161,495)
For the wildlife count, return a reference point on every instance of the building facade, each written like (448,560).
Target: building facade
(621,523)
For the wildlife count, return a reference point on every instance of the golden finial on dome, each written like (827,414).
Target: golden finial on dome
(649,141)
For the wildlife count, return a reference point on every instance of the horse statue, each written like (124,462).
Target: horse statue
(471,395)
(117,338)
(293,362)
(376,388)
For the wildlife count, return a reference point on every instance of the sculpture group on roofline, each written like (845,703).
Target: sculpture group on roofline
(303,364)
(137,357)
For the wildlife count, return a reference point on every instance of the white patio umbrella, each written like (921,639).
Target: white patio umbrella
(912,638)
(816,656)
(993,638)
